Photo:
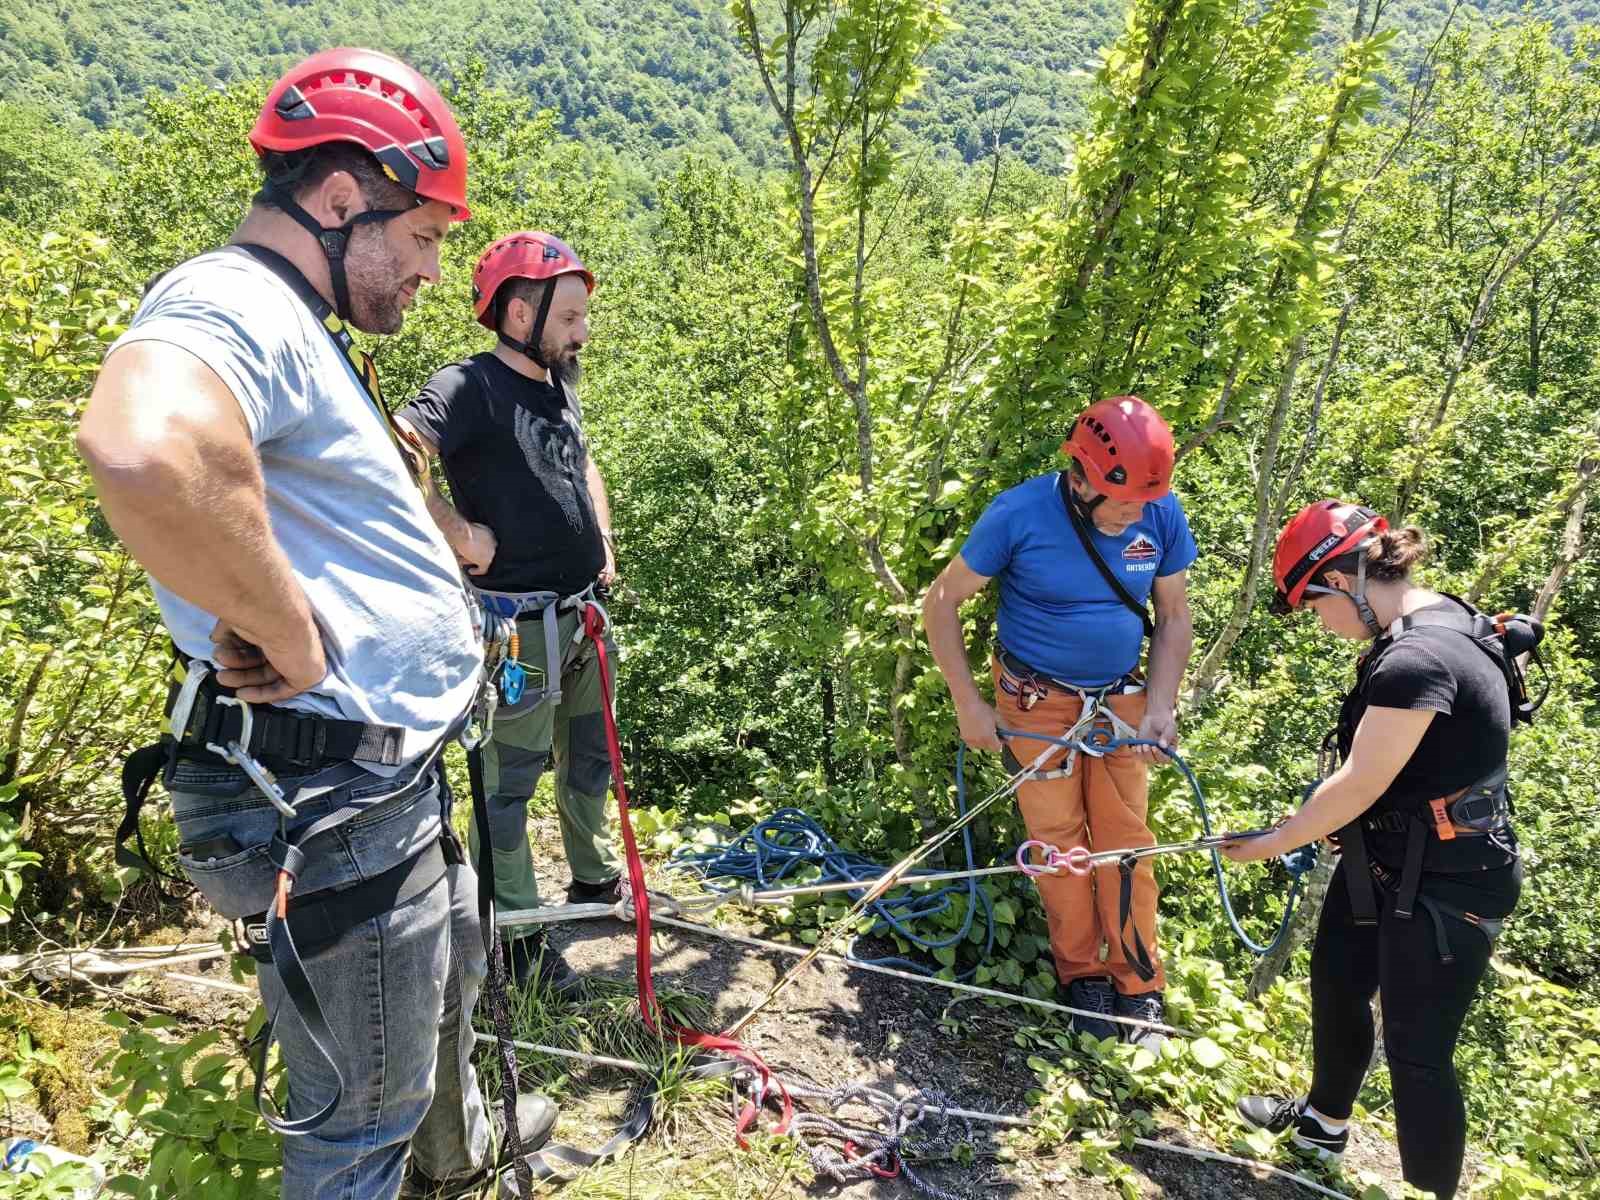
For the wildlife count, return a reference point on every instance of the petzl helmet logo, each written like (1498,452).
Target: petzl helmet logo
(1322,547)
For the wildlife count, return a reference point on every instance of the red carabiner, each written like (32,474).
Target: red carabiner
(852,1157)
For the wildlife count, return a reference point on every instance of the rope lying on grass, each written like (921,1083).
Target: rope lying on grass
(864,1153)
(864,1147)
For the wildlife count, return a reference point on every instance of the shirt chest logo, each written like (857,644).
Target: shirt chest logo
(1139,555)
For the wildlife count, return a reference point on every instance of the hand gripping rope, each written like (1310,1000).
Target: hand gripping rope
(1080,861)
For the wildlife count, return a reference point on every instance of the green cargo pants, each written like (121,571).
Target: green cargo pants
(573,732)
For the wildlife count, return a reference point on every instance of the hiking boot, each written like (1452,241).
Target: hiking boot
(1093,995)
(1146,1006)
(532,961)
(536,1118)
(1277,1113)
(607,891)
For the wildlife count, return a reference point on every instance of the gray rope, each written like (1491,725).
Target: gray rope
(881,1144)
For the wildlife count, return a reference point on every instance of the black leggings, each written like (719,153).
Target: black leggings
(1424,1003)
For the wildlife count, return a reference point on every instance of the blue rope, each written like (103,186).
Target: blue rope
(1297,868)
(773,849)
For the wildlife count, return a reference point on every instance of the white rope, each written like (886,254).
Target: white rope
(83,965)
(622,1064)
(970,988)
(780,895)
(832,933)
(1234,1160)
(216,985)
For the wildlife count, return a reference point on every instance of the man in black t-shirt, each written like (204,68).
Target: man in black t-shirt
(531,525)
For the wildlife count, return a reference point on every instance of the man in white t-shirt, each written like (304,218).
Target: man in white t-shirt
(242,453)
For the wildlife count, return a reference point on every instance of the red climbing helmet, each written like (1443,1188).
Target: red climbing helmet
(1124,448)
(378,103)
(1314,537)
(531,254)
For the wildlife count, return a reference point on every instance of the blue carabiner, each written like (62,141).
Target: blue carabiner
(512,680)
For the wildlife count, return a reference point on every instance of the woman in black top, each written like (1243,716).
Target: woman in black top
(1429,865)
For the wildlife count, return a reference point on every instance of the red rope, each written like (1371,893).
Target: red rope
(594,627)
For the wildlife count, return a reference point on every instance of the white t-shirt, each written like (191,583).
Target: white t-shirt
(397,623)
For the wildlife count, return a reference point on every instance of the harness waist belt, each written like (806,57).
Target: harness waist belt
(1117,687)
(203,714)
(1471,813)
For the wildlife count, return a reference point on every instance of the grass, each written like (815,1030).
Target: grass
(689,1152)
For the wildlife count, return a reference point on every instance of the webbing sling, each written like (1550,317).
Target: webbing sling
(1138,955)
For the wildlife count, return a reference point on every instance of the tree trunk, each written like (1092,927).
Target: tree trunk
(19,718)
(830,721)
(1571,545)
(1210,668)
(1576,496)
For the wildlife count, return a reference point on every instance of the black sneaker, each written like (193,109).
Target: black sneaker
(1146,1006)
(533,961)
(1093,995)
(1277,1113)
(607,891)
(536,1118)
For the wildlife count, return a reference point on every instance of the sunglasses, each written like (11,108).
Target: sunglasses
(1281,607)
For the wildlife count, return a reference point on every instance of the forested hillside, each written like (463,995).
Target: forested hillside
(644,79)
(1341,258)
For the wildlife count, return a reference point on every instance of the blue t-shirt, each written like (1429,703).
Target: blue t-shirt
(1057,613)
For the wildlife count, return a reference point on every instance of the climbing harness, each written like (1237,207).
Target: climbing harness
(1482,809)
(511,676)
(204,720)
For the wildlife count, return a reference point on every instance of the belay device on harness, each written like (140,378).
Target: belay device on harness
(1482,809)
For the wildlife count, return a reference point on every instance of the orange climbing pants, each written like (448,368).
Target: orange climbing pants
(1101,805)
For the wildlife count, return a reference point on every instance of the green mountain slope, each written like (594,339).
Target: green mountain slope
(644,78)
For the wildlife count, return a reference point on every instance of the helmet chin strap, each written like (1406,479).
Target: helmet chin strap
(1086,507)
(536,334)
(335,242)
(1359,596)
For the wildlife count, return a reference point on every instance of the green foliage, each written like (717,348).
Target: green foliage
(1227,195)
(1528,1071)
(191,1097)
(13,859)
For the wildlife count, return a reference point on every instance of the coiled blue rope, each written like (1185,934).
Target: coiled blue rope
(774,848)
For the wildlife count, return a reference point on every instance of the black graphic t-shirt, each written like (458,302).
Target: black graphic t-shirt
(514,454)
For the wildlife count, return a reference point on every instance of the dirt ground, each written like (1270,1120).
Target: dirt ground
(833,1025)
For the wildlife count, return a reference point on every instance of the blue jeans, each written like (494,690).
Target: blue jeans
(398,990)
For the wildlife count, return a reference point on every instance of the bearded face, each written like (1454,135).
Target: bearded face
(381,285)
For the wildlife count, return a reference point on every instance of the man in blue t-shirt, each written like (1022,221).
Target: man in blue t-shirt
(1068,661)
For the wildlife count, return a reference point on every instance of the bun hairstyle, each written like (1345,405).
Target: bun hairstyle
(1390,555)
